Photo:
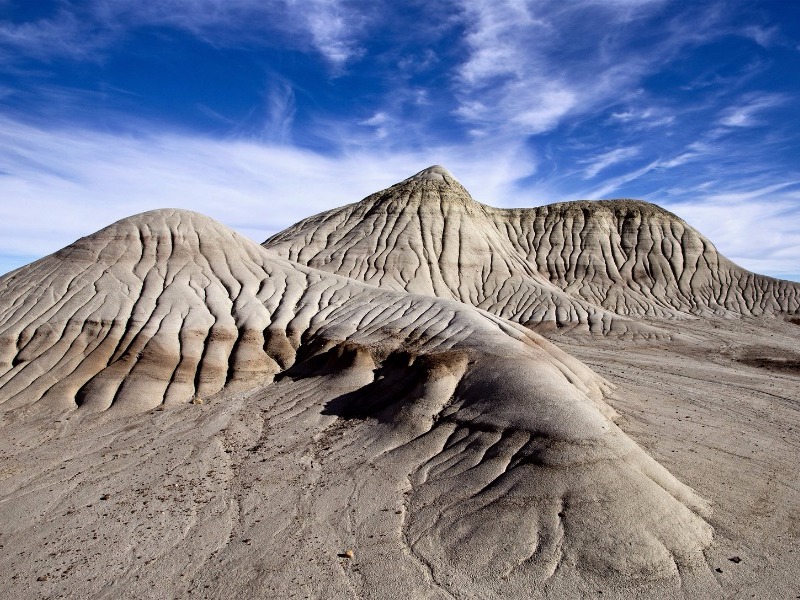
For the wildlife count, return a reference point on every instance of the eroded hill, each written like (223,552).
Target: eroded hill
(560,265)
(185,412)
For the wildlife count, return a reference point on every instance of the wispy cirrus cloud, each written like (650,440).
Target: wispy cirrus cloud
(506,83)
(762,237)
(532,65)
(671,102)
(62,35)
(334,27)
(380,123)
(647,117)
(75,181)
(602,161)
(613,184)
(280,111)
(762,35)
(81,30)
(748,112)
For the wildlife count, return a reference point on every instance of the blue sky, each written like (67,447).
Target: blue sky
(260,113)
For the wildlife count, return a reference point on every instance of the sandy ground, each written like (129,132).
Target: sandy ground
(262,495)
(721,410)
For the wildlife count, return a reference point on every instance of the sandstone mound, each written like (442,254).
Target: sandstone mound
(155,308)
(562,265)
(484,455)
(426,235)
(636,258)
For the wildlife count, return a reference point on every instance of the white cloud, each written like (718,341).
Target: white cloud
(493,51)
(625,115)
(84,30)
(332,27)
(694,151)
(763,36)
(380,123)
(506,70)
(746,114)
(280,111)
(740,117)
(743,196)
(63,35)
(643,118)
(545,110)
(613,184)
(607,159)
(521,112)
(756,228)
(376,120)
(58,185)
(531,66)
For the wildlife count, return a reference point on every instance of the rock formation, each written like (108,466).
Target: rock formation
(557,266)
(369,378)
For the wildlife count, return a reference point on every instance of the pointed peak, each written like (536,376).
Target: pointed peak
(434,185)
(434,173)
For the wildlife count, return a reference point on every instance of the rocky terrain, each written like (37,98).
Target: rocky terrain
(413,396)
(559,266)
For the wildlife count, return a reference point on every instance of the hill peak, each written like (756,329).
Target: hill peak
(435,185)
(565,264)
(434,173)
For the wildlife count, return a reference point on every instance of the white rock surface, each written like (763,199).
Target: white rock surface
(574,265)
(185,413)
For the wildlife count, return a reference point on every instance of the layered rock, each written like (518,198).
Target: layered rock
(580,264)
(499,447)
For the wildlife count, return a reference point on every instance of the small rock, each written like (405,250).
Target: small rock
(349,554)
(41,578)
(735,559)
(718,570)
(107,496)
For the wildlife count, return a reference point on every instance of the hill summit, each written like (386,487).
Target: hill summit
(585,264)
